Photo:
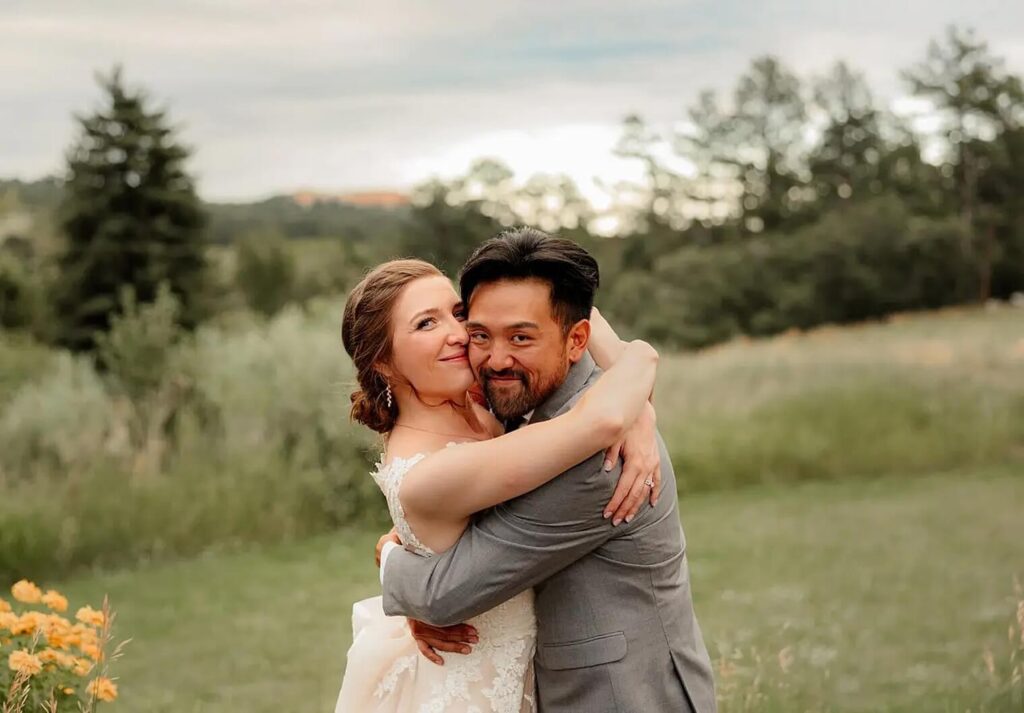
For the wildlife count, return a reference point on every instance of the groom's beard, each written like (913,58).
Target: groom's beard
(511,399)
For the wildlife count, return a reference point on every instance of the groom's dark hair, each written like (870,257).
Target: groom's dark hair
(525,253)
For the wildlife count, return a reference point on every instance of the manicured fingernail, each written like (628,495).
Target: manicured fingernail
(629,518)
(616,521)
(474,640)
(608,465)
(607,514)
(465,649)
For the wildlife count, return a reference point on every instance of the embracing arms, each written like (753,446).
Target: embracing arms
(457,482)
(519,544)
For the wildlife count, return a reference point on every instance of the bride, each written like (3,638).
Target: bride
(446,457)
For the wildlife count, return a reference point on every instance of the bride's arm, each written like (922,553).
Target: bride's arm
(604,345)
(457,482)
(641,457)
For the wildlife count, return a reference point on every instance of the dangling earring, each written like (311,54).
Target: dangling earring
(388,392)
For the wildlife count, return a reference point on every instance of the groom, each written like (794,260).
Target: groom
(616,626)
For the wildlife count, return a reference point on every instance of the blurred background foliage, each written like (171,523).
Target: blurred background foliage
(173,350)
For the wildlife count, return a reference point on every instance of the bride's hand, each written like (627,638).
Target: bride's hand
(384,539)
(431,639)
(641,463)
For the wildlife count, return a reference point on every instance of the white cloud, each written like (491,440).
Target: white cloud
(343,95)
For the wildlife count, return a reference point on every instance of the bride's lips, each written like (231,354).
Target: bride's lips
(455,358)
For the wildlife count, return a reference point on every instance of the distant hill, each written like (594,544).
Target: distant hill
(373,199)
(304,214)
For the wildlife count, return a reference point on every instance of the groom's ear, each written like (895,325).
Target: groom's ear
(578,339)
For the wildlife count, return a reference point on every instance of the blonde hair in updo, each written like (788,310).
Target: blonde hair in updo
(366,334)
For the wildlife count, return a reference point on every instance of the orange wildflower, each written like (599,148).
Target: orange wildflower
(55,600)
(27,592)
(92,651)
(88,615)
(103,688)
(24,662)
(82,667)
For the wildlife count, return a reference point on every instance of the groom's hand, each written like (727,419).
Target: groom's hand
(389,537)
(641,464)
(431,639)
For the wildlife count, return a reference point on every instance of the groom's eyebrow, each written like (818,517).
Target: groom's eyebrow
(524,325)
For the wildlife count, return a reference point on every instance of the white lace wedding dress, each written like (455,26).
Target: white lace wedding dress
(386,672)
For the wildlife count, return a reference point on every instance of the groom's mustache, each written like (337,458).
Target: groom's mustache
(488,374)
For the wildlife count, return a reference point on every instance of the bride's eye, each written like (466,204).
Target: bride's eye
(425,322)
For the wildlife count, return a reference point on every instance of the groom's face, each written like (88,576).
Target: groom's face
(518,349)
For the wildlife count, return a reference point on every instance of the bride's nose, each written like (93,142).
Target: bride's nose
(458,335)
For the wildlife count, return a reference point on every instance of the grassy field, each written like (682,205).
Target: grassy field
(883,594)
(914,394)
(261,450)
(853,499)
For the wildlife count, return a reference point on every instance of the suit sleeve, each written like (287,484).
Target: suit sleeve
(507,550)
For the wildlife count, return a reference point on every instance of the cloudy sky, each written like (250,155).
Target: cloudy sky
(335,95)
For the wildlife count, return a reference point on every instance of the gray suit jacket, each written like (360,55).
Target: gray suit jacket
(616,627)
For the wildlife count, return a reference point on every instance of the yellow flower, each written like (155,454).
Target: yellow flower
(59,632)
(85,632)
(71,637)
(68,691)
(82,667)
(55,600)
(88,615)
(48,656)
(92,651)
(27,592)
(30,621)
(23,625)
(4,605)
(103,688)
(24,662)
(8,620)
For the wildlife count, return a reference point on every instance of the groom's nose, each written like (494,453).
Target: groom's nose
(500,359)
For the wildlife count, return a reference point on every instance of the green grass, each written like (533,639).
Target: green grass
(260,450)
(885,592)
(912,395)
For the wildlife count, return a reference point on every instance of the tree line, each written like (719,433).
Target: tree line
(785,202)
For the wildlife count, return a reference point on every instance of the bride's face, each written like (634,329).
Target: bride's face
(429,340)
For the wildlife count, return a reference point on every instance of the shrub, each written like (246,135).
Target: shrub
(253,446)
(59,423)
(266,273)
(862,263)
(22,299)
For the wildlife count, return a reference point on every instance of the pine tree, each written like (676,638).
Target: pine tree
(130,216)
